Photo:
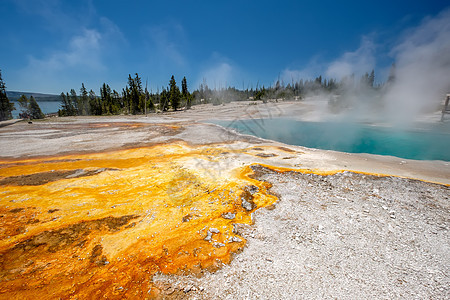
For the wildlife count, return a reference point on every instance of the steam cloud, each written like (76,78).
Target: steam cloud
(358,62)
(422,58)
(420,82)
(422,76)
(423,69)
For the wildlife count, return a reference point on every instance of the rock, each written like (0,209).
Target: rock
(208,236)
(235,239)
(214,230)
(210,233)
(247,197)
(320,228)
(229,216)
(170,290)
(246,205)
(265,155)
(187,218)
(252,189)
(77,173)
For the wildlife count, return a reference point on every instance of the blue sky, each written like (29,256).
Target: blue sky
(51,46)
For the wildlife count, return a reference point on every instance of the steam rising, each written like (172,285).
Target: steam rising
(422,75)
(357,62)
(415,88)
(423,69)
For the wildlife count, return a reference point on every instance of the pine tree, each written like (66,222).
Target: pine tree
(371,79)
(149,100)
(164,100)
(35,110)
(74,103)
(116,102)
(137,97)
(318,81)
(94,104)
(391,78)
(364,81)
(185,93)
(140,93)
(24,104)
(174,94)
(126,100)
(83,101)
(66,105)
(6,107)
(106,99)
(70,106)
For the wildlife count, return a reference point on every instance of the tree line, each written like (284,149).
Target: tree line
(294,90)
(134,98)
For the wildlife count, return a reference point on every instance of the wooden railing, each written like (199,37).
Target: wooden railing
(445,109)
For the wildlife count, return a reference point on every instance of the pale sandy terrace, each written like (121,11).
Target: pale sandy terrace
(341,236)
(73,135)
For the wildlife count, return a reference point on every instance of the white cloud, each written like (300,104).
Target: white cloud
(288,74)
(219,72)
(56,17)
(48,9)
(111,33)
(312,70)
(83,52)
(81,46)
(218,75)
(86,57)
(357,62)
(166,42)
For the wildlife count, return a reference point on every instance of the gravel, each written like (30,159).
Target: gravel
(344,236)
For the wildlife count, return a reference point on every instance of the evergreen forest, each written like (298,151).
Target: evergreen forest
(135,98)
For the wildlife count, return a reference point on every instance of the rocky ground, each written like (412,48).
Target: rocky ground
(343,236)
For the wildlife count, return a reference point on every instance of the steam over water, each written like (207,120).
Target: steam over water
(430,143)
(416,86)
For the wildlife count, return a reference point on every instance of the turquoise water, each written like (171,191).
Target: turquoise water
(430,143)
(46,107)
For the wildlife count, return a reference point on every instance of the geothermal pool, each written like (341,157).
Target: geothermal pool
(430,142)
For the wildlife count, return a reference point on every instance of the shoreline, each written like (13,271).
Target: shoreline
(71,135)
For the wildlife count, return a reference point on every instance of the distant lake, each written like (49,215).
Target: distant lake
(47,107)
(431,142)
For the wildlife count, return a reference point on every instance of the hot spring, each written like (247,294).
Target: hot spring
(427,142)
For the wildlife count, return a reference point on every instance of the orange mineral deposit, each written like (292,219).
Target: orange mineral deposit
(101,225)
